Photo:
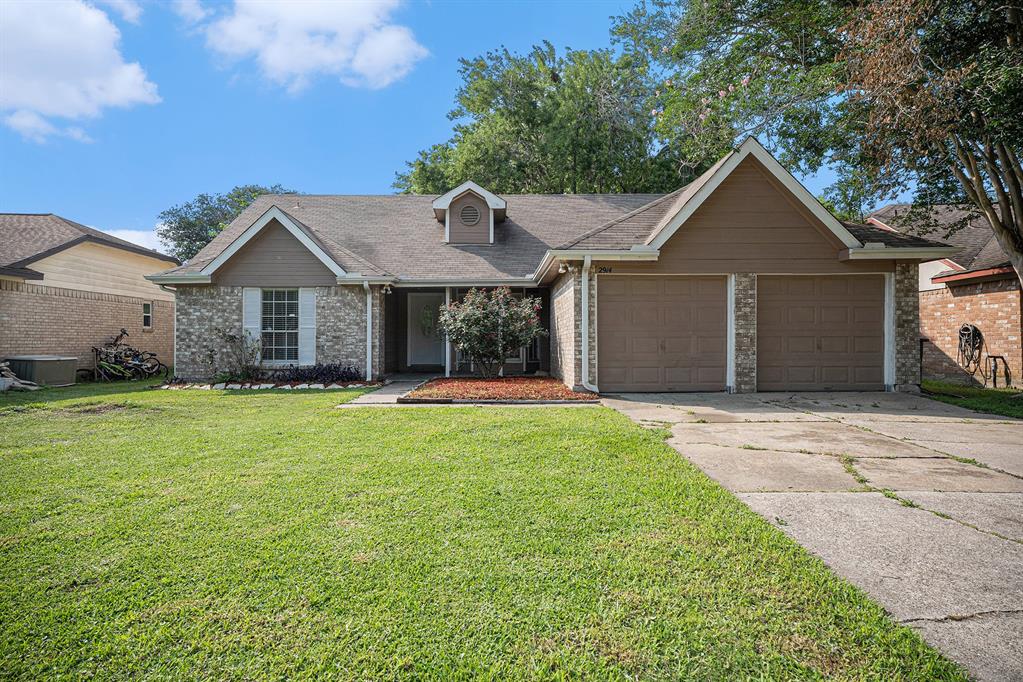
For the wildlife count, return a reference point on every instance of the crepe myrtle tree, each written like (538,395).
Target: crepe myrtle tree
(490,325)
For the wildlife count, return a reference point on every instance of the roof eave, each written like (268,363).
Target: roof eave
(178,278)
(898,253)
(974,274)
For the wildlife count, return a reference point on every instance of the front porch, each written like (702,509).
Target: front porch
(413,342)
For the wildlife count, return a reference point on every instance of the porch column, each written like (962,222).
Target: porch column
(447,341)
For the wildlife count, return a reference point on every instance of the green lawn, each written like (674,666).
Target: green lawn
(1007,402)
(188,534)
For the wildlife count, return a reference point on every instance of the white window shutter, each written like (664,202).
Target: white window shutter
(307,326)
(252,313)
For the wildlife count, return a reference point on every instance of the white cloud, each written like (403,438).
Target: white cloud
(292,42)
(62,60)
(191,11)
(146,238)
(129,10)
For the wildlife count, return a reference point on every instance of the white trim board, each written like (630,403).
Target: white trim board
(443,202)
(273,213)
(753,148)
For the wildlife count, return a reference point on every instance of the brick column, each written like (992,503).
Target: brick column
(907,327)
(745,326)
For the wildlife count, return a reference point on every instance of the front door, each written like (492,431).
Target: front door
(425,340)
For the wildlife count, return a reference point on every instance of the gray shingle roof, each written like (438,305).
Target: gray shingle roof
(978,248)
(26,237)
(399,235)
(873,233)
(625,231)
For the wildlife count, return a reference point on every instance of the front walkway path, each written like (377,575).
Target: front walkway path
(397,386)
(878,485)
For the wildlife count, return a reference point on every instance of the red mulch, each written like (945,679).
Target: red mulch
(506,388)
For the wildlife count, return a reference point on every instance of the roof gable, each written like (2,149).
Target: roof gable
(306,237)
(694,195)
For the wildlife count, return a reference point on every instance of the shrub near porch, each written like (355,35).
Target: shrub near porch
(216,534)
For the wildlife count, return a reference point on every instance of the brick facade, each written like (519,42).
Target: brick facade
(340,326)
(567,325)
(907,327)
(37,319)
(745,332)
(563,329)
(994,307)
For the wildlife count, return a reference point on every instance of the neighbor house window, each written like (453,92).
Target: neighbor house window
(147,315)
(280,325)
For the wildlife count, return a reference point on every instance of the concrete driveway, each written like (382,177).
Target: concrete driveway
(917,502)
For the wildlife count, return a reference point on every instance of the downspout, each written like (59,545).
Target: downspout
(174,330)
(586,326)
(369,331)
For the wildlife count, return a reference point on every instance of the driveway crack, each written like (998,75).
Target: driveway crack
(953,618)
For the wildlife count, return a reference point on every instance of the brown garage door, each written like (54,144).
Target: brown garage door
(661,333)
(820,333)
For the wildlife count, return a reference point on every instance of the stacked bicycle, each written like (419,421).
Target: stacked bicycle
(116,360)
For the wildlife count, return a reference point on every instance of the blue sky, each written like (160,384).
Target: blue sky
(114,111)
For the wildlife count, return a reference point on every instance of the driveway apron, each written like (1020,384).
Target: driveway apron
(918,503)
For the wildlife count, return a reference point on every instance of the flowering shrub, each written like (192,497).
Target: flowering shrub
(489,326)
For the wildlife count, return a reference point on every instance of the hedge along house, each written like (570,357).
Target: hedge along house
(740,281)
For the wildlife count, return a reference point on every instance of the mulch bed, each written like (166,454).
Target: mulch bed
(506,389)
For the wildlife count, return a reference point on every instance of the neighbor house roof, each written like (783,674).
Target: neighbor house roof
(29,237)
(978,248)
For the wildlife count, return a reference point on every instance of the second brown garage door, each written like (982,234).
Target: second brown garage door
(820,333)
(661,333)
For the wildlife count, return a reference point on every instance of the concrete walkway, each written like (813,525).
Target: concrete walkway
(941,549)
(388,394)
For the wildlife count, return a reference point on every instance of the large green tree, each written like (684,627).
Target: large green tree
(892,95)
(186,228)
(549,123)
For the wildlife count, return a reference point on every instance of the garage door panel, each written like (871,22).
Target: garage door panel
(674,333)
(678,287)
(646,286)
(831,314)
(835,344)
(831,337)
(868,344)
(801,315)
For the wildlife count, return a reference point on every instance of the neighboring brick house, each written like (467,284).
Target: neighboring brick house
(976,286)
(65,288)
(740,281)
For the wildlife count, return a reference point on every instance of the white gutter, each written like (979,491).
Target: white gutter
(178,279)
(586,326)
(447,339)
(369,331)
(894,253)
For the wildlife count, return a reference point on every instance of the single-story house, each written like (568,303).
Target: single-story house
(976,286)
(739,281)
(65,288)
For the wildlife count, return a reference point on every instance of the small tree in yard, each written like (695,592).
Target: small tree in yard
(488,326)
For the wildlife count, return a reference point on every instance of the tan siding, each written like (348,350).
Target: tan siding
(274,258)
(103,269)
(751,224)
(460,233)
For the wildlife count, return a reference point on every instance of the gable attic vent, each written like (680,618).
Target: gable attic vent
(470,215)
